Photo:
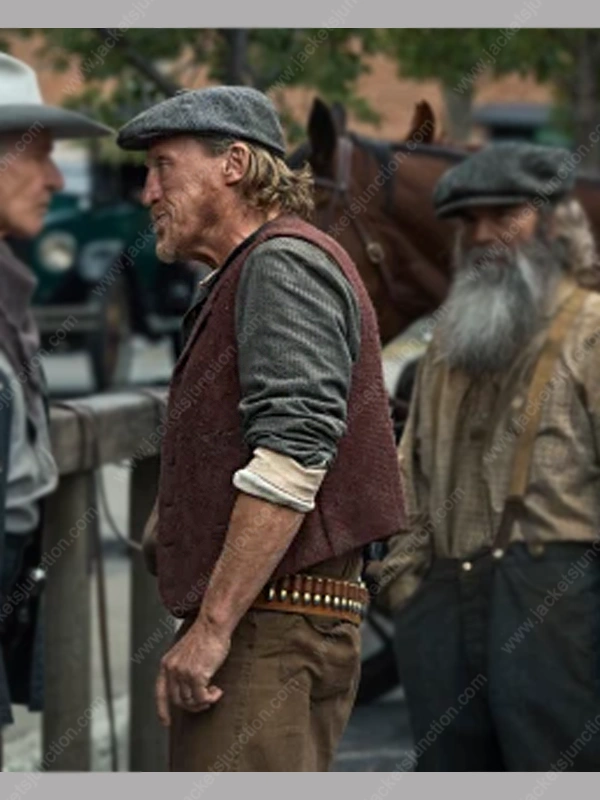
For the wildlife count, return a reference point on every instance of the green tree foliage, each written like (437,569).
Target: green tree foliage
(115,64)
(449,55)
(568,59)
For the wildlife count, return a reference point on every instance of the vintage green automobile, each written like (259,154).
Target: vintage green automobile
(99,280)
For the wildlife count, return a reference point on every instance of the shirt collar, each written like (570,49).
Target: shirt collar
(216,273)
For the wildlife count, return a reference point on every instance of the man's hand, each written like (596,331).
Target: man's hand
(186,672)
(259,534)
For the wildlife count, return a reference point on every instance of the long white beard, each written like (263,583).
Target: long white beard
(494,309)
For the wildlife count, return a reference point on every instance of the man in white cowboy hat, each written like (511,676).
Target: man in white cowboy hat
(28,179)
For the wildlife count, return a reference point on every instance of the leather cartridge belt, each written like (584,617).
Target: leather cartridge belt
(318,595)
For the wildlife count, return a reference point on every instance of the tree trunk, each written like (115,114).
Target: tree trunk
(236,56)
(458,113)
(584,100)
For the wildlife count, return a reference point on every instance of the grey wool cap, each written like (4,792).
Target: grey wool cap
(508,173)
(237,111)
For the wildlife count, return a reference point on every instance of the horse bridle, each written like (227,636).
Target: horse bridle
(340,195)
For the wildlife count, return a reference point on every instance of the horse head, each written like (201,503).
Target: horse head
(374,197)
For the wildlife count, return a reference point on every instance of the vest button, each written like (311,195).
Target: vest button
(466,566)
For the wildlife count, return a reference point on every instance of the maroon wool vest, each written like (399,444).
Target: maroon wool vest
(360,499)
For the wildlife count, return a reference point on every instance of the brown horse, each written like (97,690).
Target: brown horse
(374,197)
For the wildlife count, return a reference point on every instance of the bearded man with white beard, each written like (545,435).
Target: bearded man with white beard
(495,582)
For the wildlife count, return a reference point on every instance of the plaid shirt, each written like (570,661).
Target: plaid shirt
(456,465)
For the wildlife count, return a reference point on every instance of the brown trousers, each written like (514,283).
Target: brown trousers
(289,684)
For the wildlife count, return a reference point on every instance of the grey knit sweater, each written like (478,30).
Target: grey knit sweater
(298,331)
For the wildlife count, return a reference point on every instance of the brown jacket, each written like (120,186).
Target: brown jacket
(360,499)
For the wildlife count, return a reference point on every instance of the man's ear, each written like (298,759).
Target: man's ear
(237,161)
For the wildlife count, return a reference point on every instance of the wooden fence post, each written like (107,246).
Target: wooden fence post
(66,727)
(116,428)
(151,633)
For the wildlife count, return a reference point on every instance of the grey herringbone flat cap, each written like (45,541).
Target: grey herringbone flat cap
(237,111)
(508,173)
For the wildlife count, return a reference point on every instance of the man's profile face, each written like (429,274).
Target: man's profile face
(185,192)
(28,179)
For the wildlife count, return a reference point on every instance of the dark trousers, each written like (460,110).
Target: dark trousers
(14,550)
(501,662)
(12,559)
(21,672)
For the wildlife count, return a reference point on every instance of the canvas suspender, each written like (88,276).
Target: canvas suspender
(523,453)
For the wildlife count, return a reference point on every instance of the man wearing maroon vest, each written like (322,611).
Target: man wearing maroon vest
(278,458)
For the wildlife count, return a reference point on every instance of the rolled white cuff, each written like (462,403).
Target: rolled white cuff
(280,479)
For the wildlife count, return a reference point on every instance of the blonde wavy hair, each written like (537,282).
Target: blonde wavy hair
(573,230)
(269,183)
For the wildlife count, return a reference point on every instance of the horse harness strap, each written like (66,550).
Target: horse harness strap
(523,452)
(340,187)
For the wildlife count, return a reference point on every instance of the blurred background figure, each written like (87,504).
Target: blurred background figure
(28,180)
(497,571)
(574,233)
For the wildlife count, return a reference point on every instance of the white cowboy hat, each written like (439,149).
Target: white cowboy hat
(21,106)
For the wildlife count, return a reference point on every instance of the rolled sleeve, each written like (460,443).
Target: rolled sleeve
(298,334)
(280,479)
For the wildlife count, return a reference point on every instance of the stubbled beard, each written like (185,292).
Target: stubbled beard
(165,251)
(496,304)
(180,242)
